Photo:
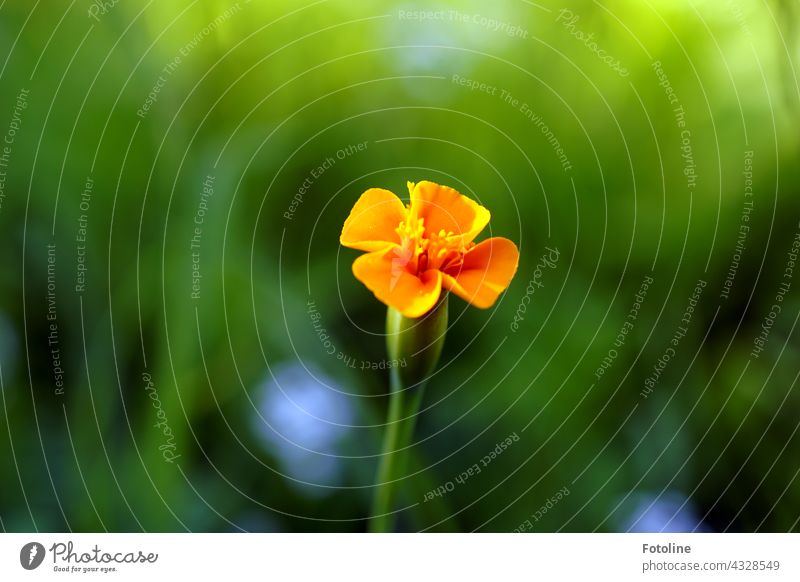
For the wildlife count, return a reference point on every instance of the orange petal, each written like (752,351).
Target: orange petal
(443,208)
(384,273)
(373,220)
(487,270)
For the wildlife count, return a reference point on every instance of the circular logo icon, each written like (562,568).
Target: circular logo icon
(31,555)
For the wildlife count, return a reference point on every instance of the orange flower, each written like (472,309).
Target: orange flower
(416,250)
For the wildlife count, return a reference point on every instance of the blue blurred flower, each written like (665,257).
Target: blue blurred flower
(669,512)
(304,422)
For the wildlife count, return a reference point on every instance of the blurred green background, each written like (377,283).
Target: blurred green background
(240,403)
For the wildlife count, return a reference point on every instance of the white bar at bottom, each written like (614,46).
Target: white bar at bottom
(401,557)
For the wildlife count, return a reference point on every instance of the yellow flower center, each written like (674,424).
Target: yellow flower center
(421,250)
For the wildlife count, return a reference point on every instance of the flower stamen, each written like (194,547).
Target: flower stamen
(423,250)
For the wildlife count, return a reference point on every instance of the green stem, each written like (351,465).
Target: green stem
(417,343)
(404,405)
